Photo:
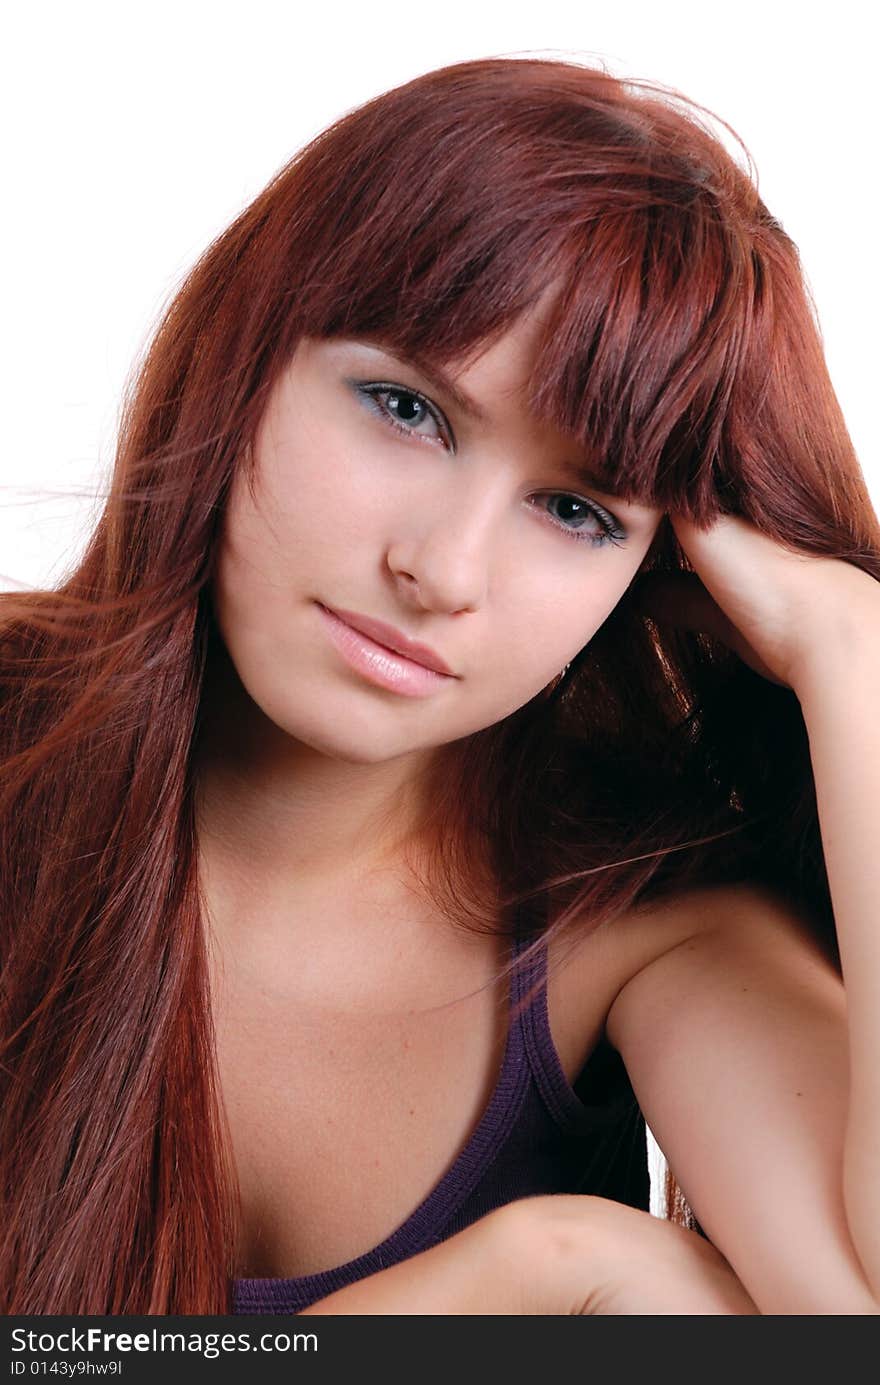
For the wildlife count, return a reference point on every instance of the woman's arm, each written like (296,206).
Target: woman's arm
(476,1271)
(838,687)
(775,1039)
(556,1254)
(736,1041)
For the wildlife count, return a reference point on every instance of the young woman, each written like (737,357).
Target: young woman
(457,744)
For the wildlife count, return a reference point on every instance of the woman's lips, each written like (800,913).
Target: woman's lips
(392,638)
(379,664)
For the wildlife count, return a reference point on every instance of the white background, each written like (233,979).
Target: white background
(135,132)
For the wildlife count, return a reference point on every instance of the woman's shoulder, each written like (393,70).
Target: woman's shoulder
(656,925)
(698,932)
(650,929)
(590,976)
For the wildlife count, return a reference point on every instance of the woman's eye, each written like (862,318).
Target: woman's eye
(407,411)
(584,517)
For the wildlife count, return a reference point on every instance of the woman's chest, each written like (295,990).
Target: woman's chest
(347,1104)
(341,1125)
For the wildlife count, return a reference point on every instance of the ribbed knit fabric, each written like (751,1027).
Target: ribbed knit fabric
(538,1134)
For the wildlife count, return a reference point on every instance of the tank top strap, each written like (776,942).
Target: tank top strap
(533,1021)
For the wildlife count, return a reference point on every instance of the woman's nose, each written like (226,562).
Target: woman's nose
(445,564)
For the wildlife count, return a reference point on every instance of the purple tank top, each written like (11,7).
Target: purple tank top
(538,1134)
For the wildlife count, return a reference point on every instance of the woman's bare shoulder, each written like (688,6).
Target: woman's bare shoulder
(590,974)
(641,934)
(726,916)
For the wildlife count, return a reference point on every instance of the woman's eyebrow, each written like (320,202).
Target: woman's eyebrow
(593,480)
(581,471)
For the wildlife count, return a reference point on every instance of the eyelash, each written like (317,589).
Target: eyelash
(611,530)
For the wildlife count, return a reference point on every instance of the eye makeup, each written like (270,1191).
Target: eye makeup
(370,393)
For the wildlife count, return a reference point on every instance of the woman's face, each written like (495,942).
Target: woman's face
(470,533)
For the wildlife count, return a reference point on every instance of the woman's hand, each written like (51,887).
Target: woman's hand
(777,609)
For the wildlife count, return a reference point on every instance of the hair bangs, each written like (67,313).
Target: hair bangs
(640,356)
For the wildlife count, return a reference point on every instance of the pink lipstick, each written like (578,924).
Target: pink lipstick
(380,664)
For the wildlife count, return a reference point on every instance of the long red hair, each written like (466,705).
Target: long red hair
(682,349)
